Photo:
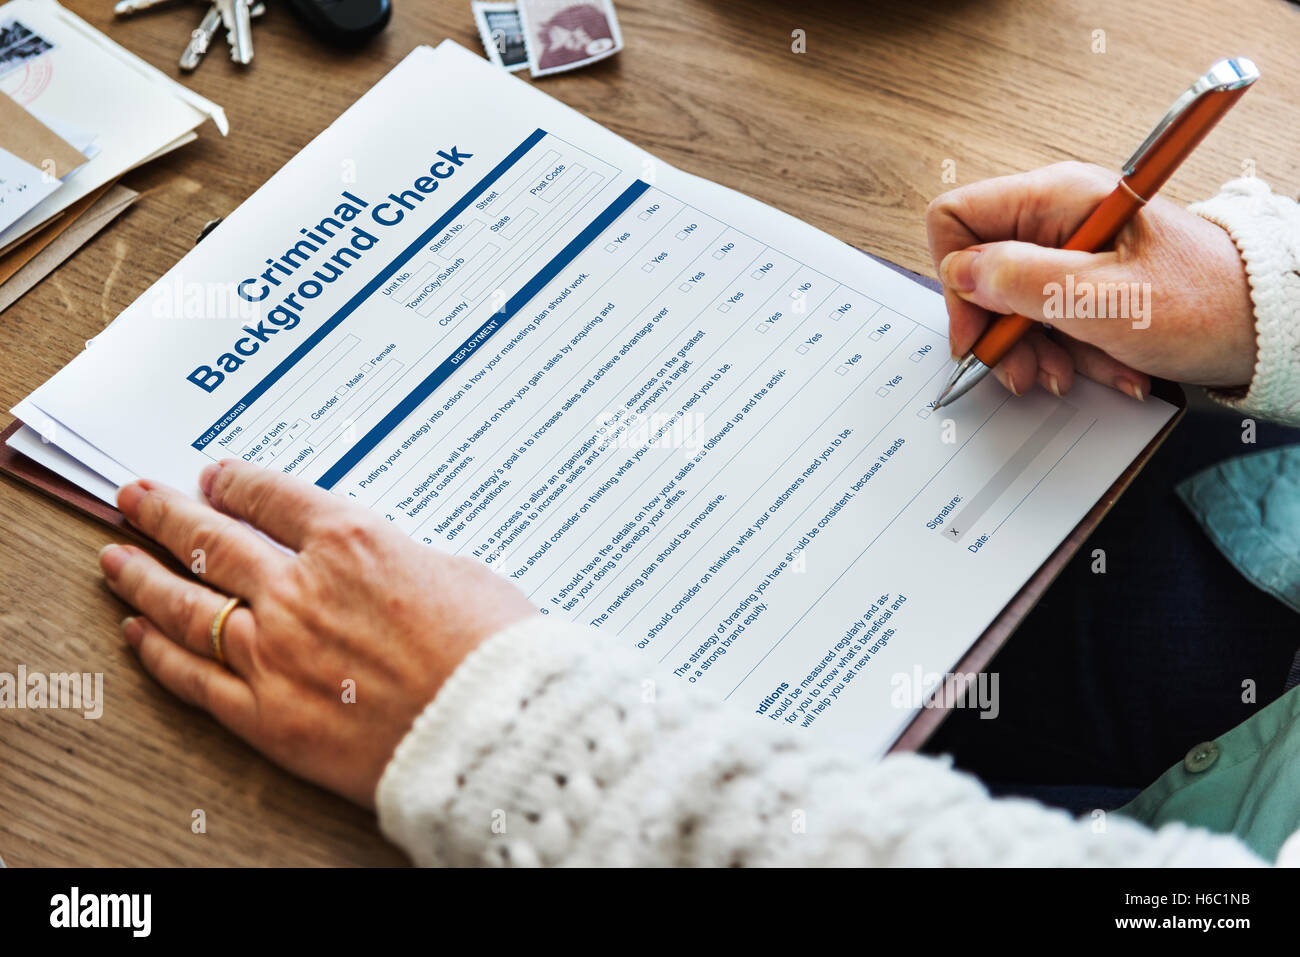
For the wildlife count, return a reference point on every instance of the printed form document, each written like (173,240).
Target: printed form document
(657,406)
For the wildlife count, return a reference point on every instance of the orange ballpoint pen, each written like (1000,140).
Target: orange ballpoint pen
(1188,121)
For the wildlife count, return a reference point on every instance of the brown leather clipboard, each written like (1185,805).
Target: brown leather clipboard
(13,463)
(928,718)
(978,656)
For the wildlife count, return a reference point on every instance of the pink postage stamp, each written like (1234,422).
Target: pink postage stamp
(566,34)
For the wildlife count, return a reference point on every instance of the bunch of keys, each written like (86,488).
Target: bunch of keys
(235,16)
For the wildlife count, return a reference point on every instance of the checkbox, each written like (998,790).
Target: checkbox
(724,307)
(841,370)
(802,349)
(719,254)
(883,391)
(875,336)
(610,247)
(685,287)
(796,294)
(916,357)
(762,327)
(682,234)
(645,215)
(834,315)
(923,412)
(648,267)
(758,274)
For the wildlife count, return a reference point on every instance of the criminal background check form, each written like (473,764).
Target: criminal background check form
(659,407)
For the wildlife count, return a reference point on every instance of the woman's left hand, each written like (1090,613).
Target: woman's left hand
(339,643)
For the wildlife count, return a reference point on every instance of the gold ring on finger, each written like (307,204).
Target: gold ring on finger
(219,623)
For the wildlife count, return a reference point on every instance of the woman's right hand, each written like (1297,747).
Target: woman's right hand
(996,246)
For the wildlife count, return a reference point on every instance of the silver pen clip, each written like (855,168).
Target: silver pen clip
(1231,74)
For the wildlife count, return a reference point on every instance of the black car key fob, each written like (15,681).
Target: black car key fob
(344,22)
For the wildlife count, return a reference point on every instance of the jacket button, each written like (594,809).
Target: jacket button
(1201,757)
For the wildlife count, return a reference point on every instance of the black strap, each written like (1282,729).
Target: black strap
(1292,676)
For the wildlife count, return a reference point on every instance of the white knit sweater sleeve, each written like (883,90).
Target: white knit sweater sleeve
(1266,229)
(551,745)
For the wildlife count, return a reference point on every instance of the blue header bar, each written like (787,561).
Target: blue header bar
(485,332)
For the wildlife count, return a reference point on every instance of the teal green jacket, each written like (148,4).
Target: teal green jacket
(1247,781)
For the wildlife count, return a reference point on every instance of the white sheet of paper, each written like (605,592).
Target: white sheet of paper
(22,186)
(28,442)
(661,408)
(52,432)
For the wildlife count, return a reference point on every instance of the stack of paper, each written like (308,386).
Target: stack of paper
(659,408)
(76,112)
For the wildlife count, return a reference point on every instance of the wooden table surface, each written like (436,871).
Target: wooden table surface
(853,135)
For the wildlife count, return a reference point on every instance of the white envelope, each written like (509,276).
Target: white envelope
(53,62)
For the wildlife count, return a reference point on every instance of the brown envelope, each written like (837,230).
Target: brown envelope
(31,261)
(33,142)
(21,254)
